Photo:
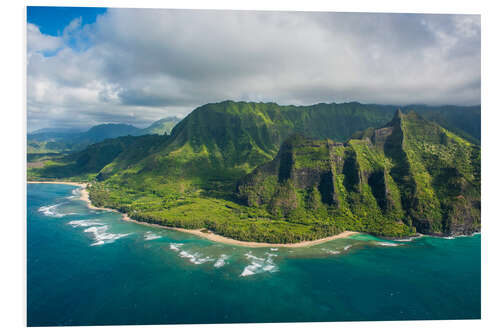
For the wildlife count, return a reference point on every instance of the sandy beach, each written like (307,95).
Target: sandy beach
(84,195)
(204,233)
(50,182)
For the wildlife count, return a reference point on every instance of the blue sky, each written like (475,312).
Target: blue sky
(53,20)
(136,66)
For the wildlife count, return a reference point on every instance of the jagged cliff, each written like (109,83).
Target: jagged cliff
(408,175)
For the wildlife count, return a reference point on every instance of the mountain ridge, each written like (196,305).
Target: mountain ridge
(188,178)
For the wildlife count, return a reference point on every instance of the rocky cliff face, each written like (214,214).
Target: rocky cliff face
(410,175)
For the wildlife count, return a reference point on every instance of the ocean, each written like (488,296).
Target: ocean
(89,267)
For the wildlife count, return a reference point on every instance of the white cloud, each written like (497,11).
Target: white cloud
(137,65)
(38,42)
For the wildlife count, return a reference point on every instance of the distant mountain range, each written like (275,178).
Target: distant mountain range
(266,172)
(54,140)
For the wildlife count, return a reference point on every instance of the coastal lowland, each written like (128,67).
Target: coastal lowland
(261,173)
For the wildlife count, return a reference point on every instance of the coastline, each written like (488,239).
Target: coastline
(207,234)
(56,182)
(203,233)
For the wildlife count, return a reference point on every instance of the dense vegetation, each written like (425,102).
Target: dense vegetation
(239,170)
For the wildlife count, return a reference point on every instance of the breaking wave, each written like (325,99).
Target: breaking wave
(259,265)
(387,244)
(84,223)
(75,193)
(221,261)
(175,246)
(51,211)
(101,235)
(150,236)
(195,258)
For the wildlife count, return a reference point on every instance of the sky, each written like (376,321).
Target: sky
(87,66)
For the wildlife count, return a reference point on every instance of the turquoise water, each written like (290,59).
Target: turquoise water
(88,267)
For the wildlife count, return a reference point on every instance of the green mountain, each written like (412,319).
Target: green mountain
(409,174)
(220,142)
(160,127)
(224,167)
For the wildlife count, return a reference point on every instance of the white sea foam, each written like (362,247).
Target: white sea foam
(150,236)
(251,269)
(75,193)
(84,223)
(50,211)
(101,235)
(274,249)
(259,265)
(195,258)
(221,261)
(347,247)
(175,246)
(387,244)
(449,237)
(332,252)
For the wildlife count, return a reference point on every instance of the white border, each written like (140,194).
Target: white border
(13,134)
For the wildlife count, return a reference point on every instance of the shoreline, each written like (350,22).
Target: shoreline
(56,182)
(207,234)
(203,233)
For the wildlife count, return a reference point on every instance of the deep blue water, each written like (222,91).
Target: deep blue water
(88,267)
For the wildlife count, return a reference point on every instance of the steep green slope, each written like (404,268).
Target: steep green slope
(410,175)
(218,143)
